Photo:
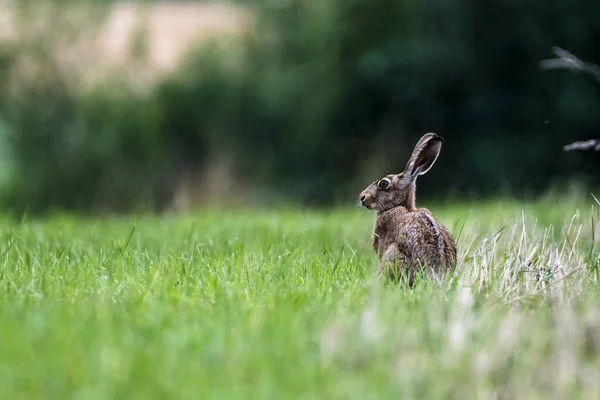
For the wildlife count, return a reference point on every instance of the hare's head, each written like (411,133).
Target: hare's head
(399,189)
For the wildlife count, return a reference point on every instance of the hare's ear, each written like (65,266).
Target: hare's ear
(424,155)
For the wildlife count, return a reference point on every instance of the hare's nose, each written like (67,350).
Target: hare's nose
(362,198)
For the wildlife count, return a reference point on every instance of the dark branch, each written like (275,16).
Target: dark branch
(593,144)
(568,61)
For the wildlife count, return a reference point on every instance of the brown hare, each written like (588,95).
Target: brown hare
(407,239)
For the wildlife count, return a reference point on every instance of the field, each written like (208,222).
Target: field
(89,45)
(283,304)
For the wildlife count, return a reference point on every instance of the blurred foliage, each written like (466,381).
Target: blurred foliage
(318,100)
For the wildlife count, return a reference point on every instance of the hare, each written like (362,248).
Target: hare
(406,238)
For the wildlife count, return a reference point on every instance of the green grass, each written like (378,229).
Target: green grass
(284,304)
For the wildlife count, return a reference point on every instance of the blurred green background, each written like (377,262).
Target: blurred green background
(124,106)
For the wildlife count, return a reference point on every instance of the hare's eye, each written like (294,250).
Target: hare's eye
(384,183)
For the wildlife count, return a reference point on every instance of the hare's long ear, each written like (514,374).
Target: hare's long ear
(424,155)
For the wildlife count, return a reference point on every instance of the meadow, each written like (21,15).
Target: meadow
(284,304)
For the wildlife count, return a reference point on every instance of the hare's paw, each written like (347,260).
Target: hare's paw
(392,262)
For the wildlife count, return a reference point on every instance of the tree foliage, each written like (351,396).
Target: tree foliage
(323,98)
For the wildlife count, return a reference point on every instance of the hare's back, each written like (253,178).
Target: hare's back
(423,237)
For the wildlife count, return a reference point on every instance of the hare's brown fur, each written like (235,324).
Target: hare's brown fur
(407,239)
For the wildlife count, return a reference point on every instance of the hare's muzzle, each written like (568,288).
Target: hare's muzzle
(367,200)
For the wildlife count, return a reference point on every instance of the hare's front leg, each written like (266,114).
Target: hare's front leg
(392,262)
